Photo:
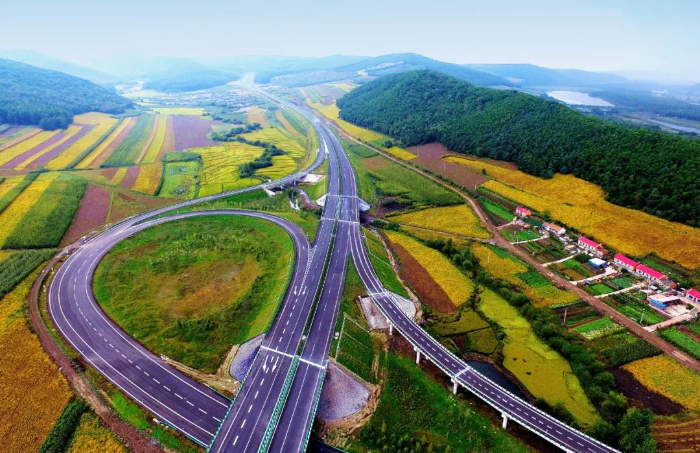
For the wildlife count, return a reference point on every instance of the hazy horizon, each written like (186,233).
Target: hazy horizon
(628,36)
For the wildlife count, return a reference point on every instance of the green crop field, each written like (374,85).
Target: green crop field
(682,340)
(598,289)
(44,225)
(190,289)
(129,149)
(534,279)
(598,328)
(497,209)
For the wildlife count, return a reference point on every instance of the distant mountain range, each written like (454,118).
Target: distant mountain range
(173,74)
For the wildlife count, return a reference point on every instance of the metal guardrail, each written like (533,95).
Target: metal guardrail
(284,393)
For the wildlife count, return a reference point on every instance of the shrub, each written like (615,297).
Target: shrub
(61,433)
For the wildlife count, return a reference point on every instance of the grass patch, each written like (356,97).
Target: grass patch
(192,288)
(483,341)
(380,261)
(683,341)
(468,321)
(417,414)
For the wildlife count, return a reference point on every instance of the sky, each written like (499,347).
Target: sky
(636,35)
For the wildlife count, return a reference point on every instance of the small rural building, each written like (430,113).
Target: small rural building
(522,211)
(627,263)
(597,262)
(693,295)
(554,228)
(662,301)
(591,246)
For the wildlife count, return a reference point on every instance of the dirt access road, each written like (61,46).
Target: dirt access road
(559,281)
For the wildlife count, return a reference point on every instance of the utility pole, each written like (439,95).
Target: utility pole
(566,309)
(642,317)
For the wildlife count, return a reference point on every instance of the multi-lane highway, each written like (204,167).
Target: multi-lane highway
(275,407)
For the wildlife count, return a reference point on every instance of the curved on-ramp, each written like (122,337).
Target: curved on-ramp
(192,408)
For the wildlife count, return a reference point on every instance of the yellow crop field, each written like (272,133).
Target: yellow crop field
(459,220)
(33,390)
(669,378)
(149,178)
(220,170)
(277,138)
(581,205)
(541,369)
(195,111)
(15,212)
(24,146)
(457,286)
(102,124)
(281,167)
(91,437)
(9,183)
(332,112)
(85,163)
(256,115)
(118,176)
(343,86)
(154,148)
(70,132)
(400,153)
(288,126)
(508,269)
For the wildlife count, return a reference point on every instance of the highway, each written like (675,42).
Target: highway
(276,404)
(174,398)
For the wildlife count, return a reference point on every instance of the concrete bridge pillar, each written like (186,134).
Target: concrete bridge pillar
(417,356)
(505,420)
(454,386)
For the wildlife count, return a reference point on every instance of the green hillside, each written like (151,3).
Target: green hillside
(637,168)
(49,99)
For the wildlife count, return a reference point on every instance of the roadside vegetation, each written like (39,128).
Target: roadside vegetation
(194,287)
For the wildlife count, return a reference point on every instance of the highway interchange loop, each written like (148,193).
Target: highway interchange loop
(276,404)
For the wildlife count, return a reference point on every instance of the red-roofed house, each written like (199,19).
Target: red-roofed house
(554,228)
(627,263)
(693,294)
(522,211)
(592,246)
(651,274)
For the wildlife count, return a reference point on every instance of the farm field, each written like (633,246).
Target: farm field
(581,205)
(34,391)
(682,340)
(128,151)
(220,169)
(380,261)
(14,135)
(679,435)
(539,368)
(18,153)
(400,153)
(460,220)
(191,273)
(195,111)
(101,123)
(92,437)
(153,150)
(450,279)
(505,266)
(180,179)
(332,112)
(20,206)
(277,138)
(669,378)
(598,328)
(45,222)
(98,155)
(378,175)
(148,178)
(257,115)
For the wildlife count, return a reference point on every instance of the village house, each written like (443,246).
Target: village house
(591,246)
(655,276)
(523,212)
(554,228)
(627,263)
(693,295)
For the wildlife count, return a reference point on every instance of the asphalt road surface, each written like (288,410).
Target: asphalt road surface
(174,398)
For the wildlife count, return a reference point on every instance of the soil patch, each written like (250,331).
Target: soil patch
(92,213)
(420,280)
(677,435)
(430,157)
(642,396)
(132,173)
(391,206)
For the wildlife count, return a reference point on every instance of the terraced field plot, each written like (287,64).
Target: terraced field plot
(582,205)
(540,369)
(220,171)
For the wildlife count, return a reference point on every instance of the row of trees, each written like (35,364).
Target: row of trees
(637,168)
(231,134)
(49,99)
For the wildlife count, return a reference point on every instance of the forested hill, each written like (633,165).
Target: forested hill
(637,168)
(30,95)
